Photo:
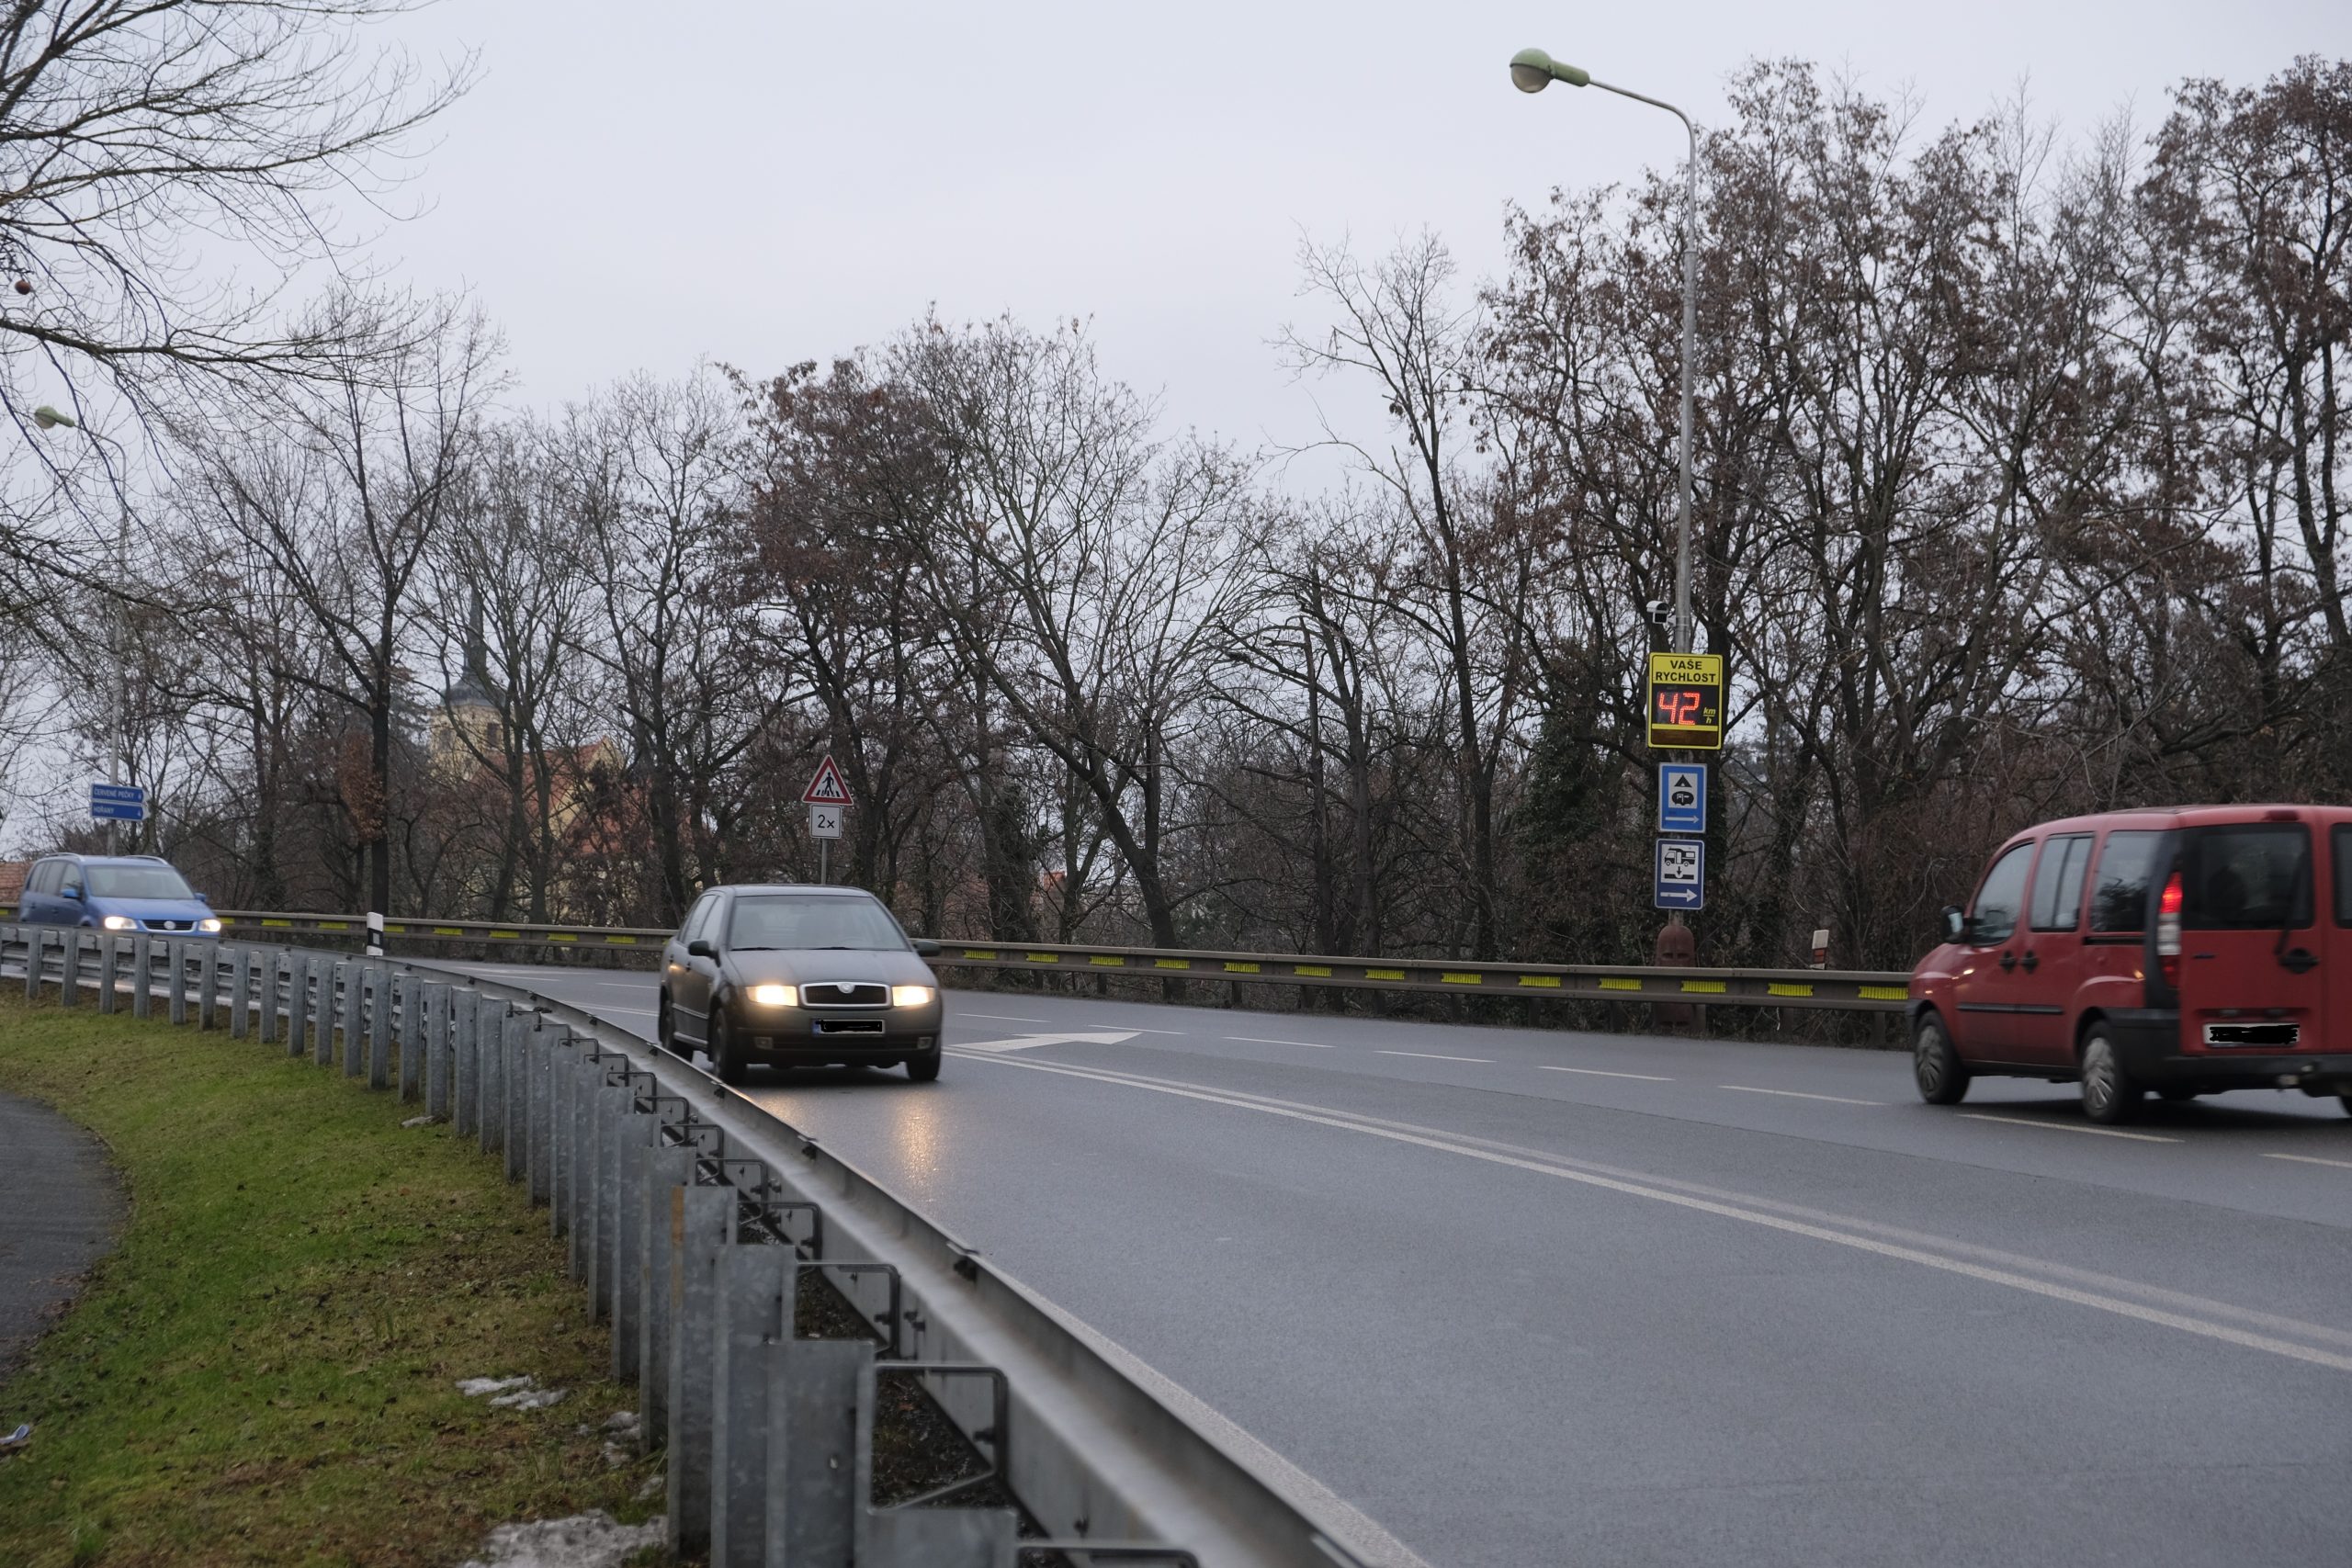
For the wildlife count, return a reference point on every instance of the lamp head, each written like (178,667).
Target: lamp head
(50,419)
(1531,71)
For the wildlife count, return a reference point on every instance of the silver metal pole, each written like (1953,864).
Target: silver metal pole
(824,863)
(118,634)
(1684,633)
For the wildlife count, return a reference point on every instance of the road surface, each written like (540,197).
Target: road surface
(1529,1296)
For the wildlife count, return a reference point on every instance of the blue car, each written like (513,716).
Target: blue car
(115,893)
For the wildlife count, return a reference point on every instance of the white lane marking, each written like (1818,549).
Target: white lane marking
(1433,1056)
(1262,1039)
(600,1009)
(1597,1073)
(1178,1032)
(1793,1094)
(1031,1041)
(2314,1160)
(1002,1017)
(1738,1209)
(2071,1127)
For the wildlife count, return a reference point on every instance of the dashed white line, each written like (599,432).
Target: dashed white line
(2072,1127)
(1597,1073)
(1794,1094)
(2314,1160)
(1433,1056)
(1262,1039)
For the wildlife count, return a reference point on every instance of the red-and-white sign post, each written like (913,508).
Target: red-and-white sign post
(827,797)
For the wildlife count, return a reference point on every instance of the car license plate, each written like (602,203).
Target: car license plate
(2271,1036)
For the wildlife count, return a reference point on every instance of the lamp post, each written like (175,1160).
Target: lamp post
(1531,71)
(48,418)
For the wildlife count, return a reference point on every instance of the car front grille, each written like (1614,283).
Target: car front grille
(844,994)
(170,925)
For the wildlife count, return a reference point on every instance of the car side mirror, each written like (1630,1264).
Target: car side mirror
(205,899)
(925,947)
(699,948)
(72,893)
(1955,923)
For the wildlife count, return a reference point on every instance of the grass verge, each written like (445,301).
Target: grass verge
(264,1371)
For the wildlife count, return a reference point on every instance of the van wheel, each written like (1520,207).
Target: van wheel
(2109,1094)
(1935,1065)
(725,1057)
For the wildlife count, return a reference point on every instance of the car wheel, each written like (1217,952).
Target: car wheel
(726,1057)
(2109,1094)
(1935,1065)
(665,1027)
(925,1067)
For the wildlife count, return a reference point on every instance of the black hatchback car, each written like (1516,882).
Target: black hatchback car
(793,975)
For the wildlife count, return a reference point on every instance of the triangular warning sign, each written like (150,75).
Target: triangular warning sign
(828,788)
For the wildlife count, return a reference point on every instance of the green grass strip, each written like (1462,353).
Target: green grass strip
(264,1371)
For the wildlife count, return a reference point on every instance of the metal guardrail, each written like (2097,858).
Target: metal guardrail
(694,1219)
(1847,990)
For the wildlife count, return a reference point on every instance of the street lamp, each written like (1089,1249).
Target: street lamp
(48,418)
(1531,71)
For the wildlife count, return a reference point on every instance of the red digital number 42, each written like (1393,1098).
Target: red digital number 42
(1679,707)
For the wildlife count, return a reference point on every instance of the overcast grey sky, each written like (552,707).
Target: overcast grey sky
(765,181)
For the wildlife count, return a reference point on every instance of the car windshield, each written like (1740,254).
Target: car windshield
(807,922)
(137,882)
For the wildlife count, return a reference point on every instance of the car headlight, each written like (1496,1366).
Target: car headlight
(119,923)
(911,996)
(210,923)
(774,997)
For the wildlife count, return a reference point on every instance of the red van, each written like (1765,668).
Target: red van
(2186,951)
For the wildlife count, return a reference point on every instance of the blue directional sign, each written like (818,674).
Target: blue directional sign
(1682,797)
(1681,881)
(118,803)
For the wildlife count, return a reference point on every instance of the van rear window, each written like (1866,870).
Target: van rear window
(2119,891)
(2246,876)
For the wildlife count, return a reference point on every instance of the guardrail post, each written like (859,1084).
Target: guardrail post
(667,1168)
(630,1135)
(813,1455)
(538,1111)
(515,1091)
(702,1225)
(70,973)
(143,976)
(109,968)
(176,986)
(464,1064)
(754,1291)
(410,1006)
(206,1001)
(271,962)
(562,1057)
(379,1026)
(35,940)
(353,1011)
(329,976)
(433,1004)
(490,1066)
(584,1072)
(241,966)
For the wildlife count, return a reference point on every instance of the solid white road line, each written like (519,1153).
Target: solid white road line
(2314,1160)
(1031,1041)
(1262,1039)
(1433,1056)
(1000,1016)
(1741,1207)
(2072,1127)
(1180,1034)
(1597,1073)
(1793,1094)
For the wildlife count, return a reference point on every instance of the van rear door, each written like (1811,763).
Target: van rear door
(2251,982)
(2337,955)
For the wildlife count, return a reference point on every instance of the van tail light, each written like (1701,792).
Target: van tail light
(2168,931)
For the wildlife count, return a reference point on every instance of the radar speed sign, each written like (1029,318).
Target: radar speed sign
(1686,700)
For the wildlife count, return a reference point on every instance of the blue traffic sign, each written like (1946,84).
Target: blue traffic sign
(1681,880)
(1682,797)
(117,803)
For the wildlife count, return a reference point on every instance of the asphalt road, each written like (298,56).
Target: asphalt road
(1532,1297)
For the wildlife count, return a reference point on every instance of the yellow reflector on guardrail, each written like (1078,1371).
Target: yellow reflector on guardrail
(1708,987)
(562,936)
(446,931)
(1885,993)
(286,924)
(1322,969)
(1610,983)
(1233,969)
(1172,963)
(506,936)
(1108,960)
(1550,982)
(1045,958)
(979,953)
(620,936)
(1782,988)
(1384,974)
(1451,978)
(334,925)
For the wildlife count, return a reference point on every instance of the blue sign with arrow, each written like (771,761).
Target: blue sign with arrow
(1681,881)
(117,803)
(1682,797)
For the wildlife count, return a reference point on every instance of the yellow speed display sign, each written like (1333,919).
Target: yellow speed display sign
(1686,700)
